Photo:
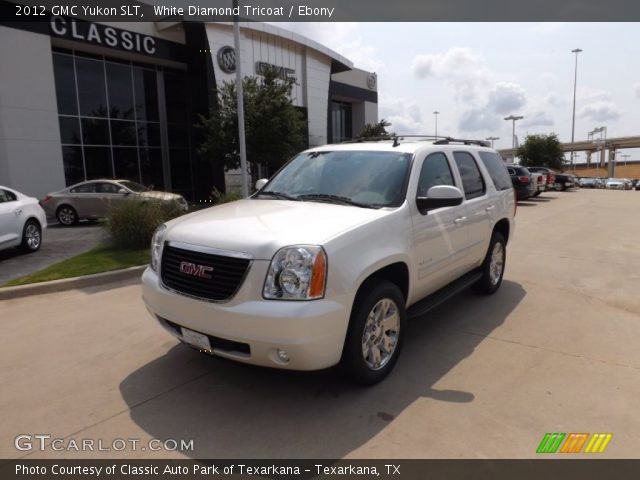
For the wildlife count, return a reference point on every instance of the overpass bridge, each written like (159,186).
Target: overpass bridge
(592,146)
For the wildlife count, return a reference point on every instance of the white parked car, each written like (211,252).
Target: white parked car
(540,181)
(615,184)
(323,265)
(22,221)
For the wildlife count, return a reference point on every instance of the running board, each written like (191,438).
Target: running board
(444,294)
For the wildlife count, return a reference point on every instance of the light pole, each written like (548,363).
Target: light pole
(435,114)
(513,118)
(573,119)
(492,139)
(601,141)
(626,155)
(240,103)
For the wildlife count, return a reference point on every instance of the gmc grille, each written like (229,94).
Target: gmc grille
(226,275)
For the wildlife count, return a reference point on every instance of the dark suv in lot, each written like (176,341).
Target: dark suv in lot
(522,181)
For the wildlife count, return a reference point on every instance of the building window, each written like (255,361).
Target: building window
(110,121)
(341,121)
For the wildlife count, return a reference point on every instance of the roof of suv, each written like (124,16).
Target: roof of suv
(411,145)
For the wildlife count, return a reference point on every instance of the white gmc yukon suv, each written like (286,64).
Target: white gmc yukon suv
(323,265)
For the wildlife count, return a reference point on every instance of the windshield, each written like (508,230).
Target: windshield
(136,187)
(371,179)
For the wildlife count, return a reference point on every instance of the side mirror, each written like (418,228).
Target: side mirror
(123,191)
(261,183)
(440,196)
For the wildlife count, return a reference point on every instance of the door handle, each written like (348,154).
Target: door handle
(460,220)
(489,208)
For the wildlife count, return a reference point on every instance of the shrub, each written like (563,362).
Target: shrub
(131,224)
(231,196)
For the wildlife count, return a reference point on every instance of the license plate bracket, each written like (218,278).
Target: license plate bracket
(196,339)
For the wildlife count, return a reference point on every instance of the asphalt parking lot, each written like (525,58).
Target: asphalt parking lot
(58,243)
(555,350)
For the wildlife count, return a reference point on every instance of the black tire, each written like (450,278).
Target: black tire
(67,215)
(536,194)
(31,236)
(492,273)
(354,363)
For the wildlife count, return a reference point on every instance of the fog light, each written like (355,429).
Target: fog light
(282,355)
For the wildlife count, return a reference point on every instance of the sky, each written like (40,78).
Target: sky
(475,74)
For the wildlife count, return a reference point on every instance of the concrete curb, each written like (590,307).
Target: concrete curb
(96,279)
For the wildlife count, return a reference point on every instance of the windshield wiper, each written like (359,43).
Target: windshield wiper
(280,195)
(335,198)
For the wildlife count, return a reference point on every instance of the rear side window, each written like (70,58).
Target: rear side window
(107,188)
(435,171)
(84,188)
(472,181)
(7,196)
(497,170)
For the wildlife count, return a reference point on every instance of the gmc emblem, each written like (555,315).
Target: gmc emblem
(201,271)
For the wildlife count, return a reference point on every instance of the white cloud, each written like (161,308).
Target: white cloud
(589,95)
(466,72)
(483,100)
(547,78)
(502,99)
(478,120)
(537,118)
(363,56)
(405,116)
(343,37)
(554,99)
(596,105)
(600,111)
(330,34)
(505,98)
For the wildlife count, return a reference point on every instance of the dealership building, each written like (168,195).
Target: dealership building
(82,100)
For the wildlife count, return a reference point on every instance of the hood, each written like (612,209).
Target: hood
(262,227)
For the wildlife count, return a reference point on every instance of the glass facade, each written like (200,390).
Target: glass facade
(115,121)
(341,121)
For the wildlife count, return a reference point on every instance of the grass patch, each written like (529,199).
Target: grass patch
(98,260)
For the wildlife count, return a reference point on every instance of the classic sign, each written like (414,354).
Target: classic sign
(99,34)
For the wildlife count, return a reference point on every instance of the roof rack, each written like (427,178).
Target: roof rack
(449,140)
(395,137)
(438,140)
(368,139)
(391,137)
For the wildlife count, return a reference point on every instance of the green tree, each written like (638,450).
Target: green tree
(372,130)
(275,129)
(541,150)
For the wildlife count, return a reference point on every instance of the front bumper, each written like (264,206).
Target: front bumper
(312,333)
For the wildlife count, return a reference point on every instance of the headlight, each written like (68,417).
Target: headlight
(297,273)
(156,246)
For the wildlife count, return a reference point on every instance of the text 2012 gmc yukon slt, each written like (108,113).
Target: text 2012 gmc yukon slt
(325,262)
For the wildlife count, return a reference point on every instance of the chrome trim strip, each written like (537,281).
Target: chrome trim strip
(210,250)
